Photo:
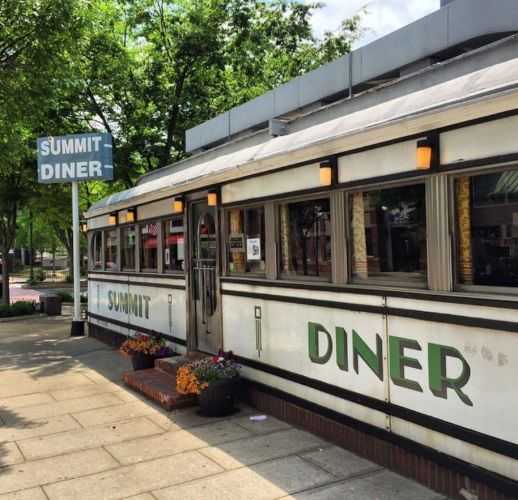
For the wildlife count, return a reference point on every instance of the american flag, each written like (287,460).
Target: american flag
(152,229)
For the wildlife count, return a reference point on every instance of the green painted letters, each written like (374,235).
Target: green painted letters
(313,330)
(398,361)
(438,381)
(362,350)
(341,349)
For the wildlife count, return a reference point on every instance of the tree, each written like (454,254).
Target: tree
(143,70)
(33,41)
(154,68)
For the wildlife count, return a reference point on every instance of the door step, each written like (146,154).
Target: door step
(159,383)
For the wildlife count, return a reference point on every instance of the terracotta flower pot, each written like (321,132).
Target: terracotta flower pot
(218,398)
(142,361)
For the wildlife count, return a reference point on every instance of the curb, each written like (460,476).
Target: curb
(18,318)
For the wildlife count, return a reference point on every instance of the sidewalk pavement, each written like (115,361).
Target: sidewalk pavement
(69,428)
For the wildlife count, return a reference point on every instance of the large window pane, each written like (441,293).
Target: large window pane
(389,234)
(97,242)
(306,239)
(487,222)
(148,246)
(174,245)
(111,242)
(128,247)
(246,240)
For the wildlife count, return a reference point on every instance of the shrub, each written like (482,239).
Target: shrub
(19,308)
(65,296)
(40,275)
(69,278)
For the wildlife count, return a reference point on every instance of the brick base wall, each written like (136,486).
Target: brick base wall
(105,335)
(441,477)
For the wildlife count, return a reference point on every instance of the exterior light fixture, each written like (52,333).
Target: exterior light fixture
(423,154)
(178,204)
(326,173)
(212,197)
(84,227)
(131,214)
(112,219)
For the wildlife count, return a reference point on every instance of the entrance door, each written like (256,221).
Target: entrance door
(204,280)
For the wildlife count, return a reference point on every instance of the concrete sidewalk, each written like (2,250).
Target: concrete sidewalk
(70,429)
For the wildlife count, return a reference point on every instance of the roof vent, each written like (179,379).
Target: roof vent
(277,127)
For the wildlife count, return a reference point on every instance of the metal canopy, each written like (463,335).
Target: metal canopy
(478,86)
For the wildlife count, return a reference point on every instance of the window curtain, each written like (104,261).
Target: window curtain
(285,238)
(464,224)
(236,227)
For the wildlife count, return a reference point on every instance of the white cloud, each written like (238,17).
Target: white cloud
(384,16)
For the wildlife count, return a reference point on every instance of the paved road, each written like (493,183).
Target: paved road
(70,429)
(16,292)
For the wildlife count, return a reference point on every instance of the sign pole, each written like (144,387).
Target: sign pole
(78,327)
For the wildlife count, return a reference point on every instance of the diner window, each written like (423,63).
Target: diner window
(305,237)
(174,245)
(128,247)
(246,240)
(148,246)
(388,237)
(487,228)
(111,243)
(97,243)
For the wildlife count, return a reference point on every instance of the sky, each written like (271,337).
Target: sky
(384,16)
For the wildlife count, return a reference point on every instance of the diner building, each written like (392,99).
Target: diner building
(352,236)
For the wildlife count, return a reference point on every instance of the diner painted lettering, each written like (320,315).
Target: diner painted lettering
(353,347)
(129,303)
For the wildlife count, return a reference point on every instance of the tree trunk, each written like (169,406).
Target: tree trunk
(5,276)
(70,255)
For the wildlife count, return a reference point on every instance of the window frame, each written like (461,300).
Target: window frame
(453,221)
(159,245)
(225,231)
(105,230)
(121,229)
(163,223)
(380,282)
(297,199)
(91,262)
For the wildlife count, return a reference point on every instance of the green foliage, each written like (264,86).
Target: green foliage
(67,296)
(144,71)
(69,278)
(19,308)
(40,275)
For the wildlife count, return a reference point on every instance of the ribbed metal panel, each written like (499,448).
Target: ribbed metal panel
(438,235)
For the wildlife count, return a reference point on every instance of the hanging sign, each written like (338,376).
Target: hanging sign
(236,242)
(78,157)
(253,249)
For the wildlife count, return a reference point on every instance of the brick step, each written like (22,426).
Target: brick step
(160,387)
(171,365)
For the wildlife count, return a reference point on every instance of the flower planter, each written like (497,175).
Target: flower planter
(218,398)
(142,361)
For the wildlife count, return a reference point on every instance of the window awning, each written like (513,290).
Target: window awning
(485,90)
